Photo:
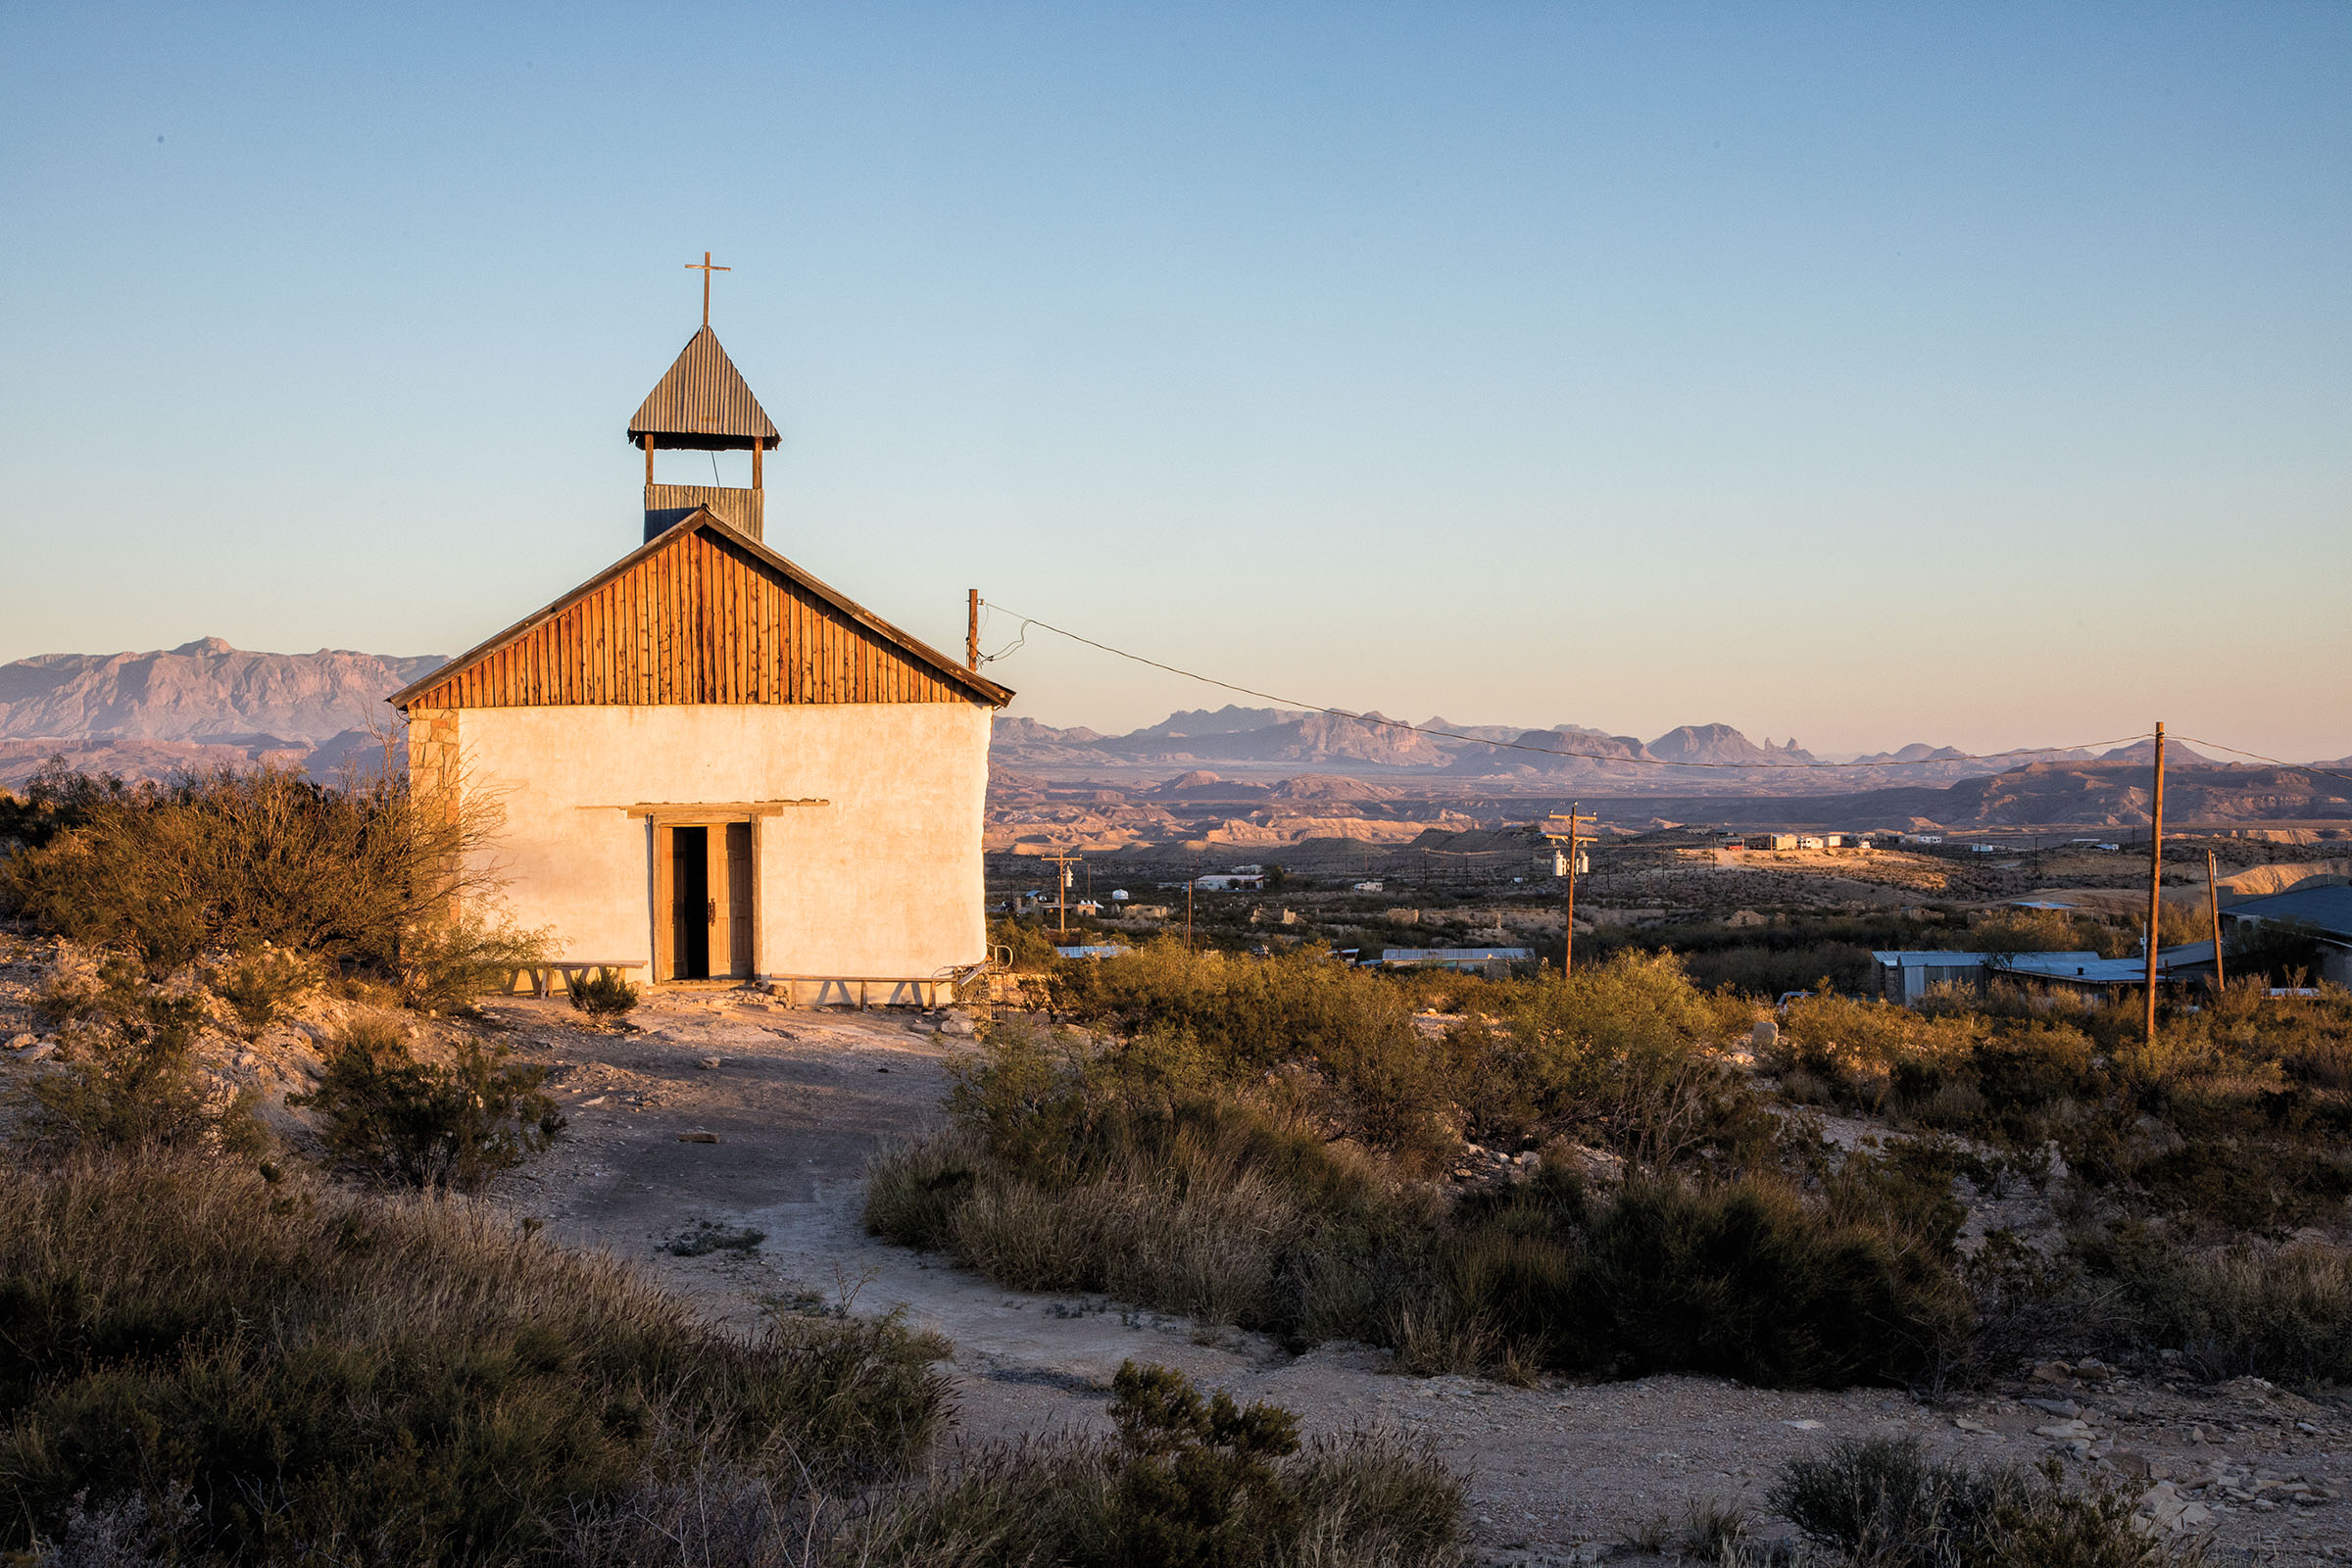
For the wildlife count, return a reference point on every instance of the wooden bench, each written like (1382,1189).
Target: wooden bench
(861,990)
(573,970)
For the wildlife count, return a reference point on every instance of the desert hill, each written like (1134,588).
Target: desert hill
(200,705)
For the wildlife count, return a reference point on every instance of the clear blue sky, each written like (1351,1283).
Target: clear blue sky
(1979,375)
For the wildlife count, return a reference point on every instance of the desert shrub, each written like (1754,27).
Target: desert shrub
(258,981)
(2002,932)
(126,1077)
(357,873)
(452,957)
(1625,1055)
(2281,1312)
(1028,943)
(344,1378)
(1878,1502)
(394,1118)
(603,995)
(1062,1176)
(1745,1279)
(1187,1482)
(1226,1018)
(1067,1172)
(1768,971)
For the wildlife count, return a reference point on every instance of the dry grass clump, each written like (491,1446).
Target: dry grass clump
(2281,1312)
(322,1378)
(1878,1502)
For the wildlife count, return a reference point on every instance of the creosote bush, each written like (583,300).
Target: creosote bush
(391,1118)
(357,874)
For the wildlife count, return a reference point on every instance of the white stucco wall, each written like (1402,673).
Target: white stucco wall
(883,880)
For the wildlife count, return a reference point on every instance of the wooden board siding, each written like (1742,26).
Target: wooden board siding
(700,619)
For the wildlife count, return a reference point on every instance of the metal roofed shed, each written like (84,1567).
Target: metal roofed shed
(1906,976)
(2324,911)
(1492,959)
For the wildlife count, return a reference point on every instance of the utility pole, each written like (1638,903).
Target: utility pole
(1065,862)
(2155,882)
(2213,910)
(1574,842)
(971,630)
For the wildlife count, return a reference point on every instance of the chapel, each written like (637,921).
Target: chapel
(710,767)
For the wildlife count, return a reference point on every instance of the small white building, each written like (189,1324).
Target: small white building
(709,766)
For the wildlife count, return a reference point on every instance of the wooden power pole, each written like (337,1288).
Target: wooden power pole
(2213,913)
(1575,844)
(2155,883)
(1062,864)
(971,629)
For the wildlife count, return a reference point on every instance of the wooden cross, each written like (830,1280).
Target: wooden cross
(704,267)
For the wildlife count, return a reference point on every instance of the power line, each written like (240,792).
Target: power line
(2278,762)
(1028,622)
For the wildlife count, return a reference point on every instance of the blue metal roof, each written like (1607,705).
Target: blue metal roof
(2328,908)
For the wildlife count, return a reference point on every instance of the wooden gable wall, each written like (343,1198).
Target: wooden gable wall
(700,620)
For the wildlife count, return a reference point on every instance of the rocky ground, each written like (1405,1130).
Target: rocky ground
(720,1140)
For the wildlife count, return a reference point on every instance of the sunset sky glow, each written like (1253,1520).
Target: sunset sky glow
(1977,374)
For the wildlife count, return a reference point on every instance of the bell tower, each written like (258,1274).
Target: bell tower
(702,405)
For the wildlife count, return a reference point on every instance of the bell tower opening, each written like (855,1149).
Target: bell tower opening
(703,404)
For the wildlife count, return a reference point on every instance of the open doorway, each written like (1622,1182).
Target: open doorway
(690,903)
(705,884)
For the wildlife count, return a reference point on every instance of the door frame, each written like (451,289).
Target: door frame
(660,879)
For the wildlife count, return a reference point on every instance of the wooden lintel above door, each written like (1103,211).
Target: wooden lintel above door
(689,813)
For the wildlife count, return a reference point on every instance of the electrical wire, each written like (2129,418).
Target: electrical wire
(2278,762)
(1028,622)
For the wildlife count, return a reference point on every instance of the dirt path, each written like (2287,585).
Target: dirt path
(798,1101)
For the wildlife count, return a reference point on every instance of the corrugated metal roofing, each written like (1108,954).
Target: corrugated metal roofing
(704,403)
(2327,907)
(1404,955)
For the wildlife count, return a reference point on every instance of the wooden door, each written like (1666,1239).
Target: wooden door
(740,896)
(666,918)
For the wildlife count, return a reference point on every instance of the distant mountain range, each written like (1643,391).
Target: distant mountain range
(200,705)
(1692,758)
(206,704)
